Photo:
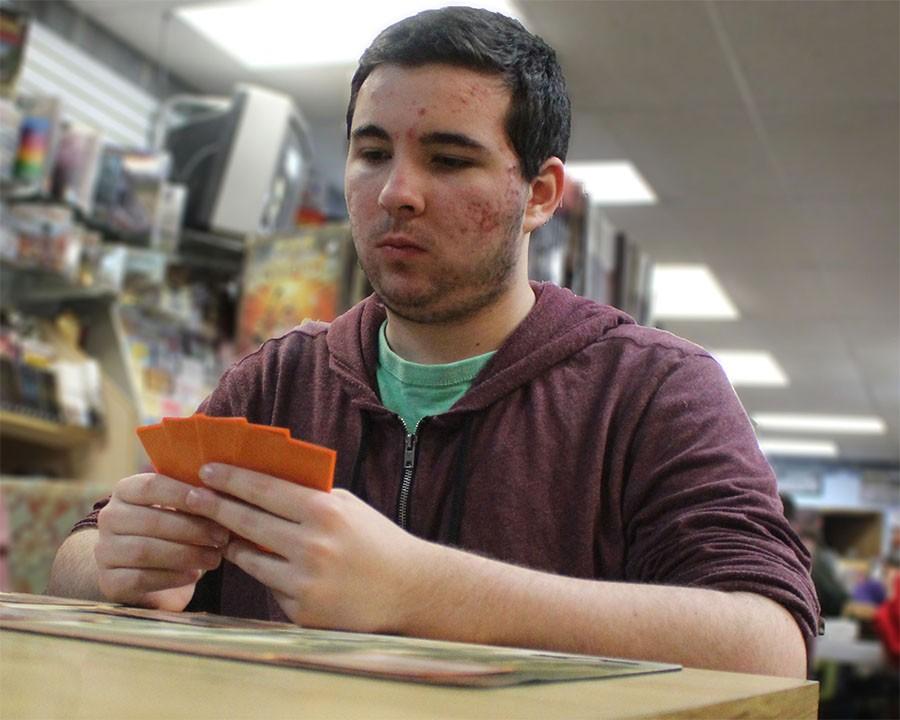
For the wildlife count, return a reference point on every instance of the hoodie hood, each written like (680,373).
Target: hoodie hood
(559,325)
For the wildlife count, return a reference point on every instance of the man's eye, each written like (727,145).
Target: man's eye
(373,155)
(452,162)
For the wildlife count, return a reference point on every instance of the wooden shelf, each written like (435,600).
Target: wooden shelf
(44,432)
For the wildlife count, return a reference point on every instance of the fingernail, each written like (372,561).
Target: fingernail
(198,497)
(208,472)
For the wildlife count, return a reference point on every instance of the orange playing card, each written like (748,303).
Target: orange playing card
(314,463)
(271,430)
(156,443)
(221,438)
(303,463)
(185,448)
(178,447)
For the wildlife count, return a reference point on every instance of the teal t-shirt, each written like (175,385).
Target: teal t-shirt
(415,391)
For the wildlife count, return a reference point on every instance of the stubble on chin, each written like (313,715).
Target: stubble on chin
(439,311)
(453,296)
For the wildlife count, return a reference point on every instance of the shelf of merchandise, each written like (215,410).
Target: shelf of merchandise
(44,432)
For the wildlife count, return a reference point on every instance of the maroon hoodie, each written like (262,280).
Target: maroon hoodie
(588,446)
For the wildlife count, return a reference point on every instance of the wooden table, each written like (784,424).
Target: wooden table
(47,677)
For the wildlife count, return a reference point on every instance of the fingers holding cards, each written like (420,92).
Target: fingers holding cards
(162,523)
(167,524)
(149,551)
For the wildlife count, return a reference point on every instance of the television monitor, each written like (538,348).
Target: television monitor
(245,165)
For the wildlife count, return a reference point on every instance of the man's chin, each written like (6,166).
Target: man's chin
(436,309)
(415,308)
(438,301)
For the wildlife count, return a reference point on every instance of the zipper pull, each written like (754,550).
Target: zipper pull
(409,452)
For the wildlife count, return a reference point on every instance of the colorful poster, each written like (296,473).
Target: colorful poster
(289,279)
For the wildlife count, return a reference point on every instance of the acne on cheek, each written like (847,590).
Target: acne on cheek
(484,216)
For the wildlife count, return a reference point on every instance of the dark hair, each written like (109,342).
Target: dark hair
(539,118)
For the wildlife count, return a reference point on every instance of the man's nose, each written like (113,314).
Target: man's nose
(402,193)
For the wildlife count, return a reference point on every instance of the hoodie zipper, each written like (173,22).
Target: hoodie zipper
(409,470)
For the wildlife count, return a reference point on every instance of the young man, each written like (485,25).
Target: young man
(516,465)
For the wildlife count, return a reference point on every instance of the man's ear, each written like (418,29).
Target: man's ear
(545,194)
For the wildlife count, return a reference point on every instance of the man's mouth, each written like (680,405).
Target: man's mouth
(399,243)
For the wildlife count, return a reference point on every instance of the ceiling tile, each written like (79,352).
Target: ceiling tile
(864,233)
(816,53)
(619,53)
(844,153)
(695,153)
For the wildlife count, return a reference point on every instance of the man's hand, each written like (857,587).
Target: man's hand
(335,562)
(150,550)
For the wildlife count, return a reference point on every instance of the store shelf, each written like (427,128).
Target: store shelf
(44,432)
(171,319)
(25,286)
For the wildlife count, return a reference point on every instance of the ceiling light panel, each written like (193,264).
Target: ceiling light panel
(612,183)
(798,448)
(266,34)
(812,423)
(751,368)
(688,292)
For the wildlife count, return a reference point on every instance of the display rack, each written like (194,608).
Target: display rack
(45,432)
(39,446)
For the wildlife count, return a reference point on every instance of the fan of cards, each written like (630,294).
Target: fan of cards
(179,447)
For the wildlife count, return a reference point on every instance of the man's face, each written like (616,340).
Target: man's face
(435,194)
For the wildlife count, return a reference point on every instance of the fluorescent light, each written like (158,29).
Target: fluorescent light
(286,33)
(612,183)
(804,448)
(688,292)
(844,424)
(750,368)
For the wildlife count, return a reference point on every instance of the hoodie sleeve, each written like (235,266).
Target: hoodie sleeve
(701,506)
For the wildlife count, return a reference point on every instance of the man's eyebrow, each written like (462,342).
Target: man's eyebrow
(451,138)
(370,131)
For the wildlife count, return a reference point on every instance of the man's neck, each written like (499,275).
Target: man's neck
(432,343)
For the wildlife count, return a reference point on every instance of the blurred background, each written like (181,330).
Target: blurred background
(172,174)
